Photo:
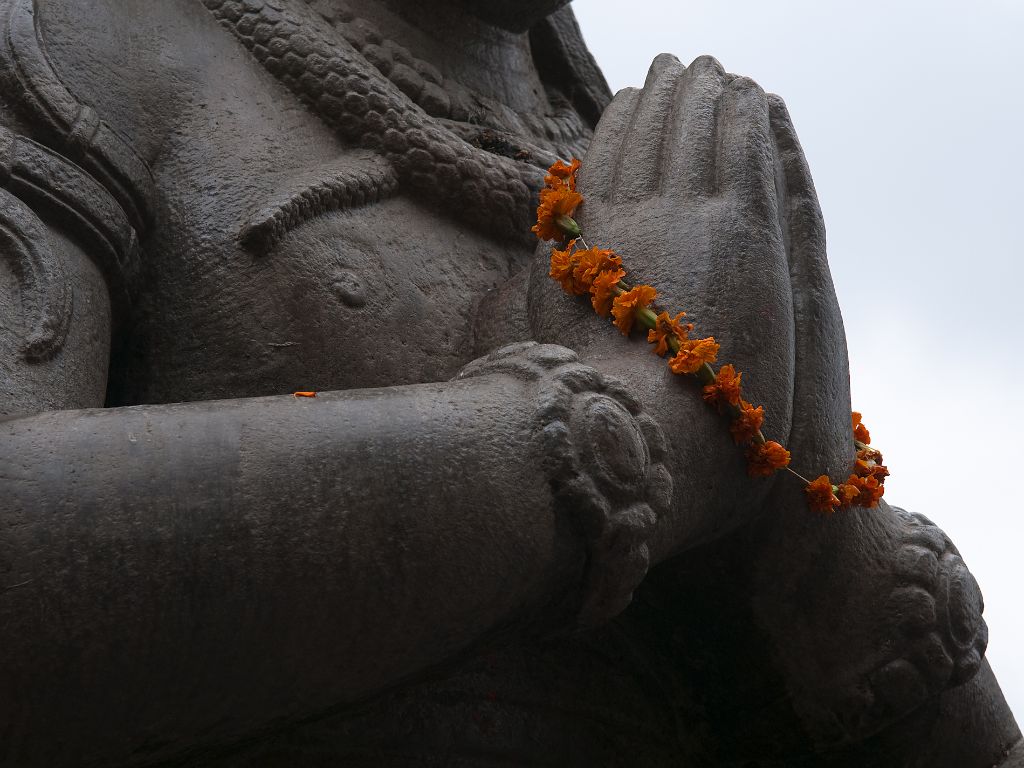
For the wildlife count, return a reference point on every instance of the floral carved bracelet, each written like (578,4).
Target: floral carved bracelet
(598,272)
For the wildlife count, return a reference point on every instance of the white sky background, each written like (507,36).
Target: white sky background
(912,118)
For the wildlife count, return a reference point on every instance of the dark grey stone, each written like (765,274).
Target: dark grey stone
(502,534)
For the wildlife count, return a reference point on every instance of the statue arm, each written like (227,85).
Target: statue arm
(295,554)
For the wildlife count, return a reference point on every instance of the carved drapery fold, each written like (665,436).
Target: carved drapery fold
(74,128)
(46,292)
(65,194)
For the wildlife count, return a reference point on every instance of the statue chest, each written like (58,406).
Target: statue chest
(381,295)
(281,260)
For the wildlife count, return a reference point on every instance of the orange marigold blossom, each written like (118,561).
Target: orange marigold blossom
(869,464)
(563,266)
(592,262)
(554,203)
(625,305)
(764,458)
(747,424)
(666,326)
(726,388)
(820,495)
(562,174)
(869,490)
(602,290)
(692,354)
(860,432)
(870,454)
(870,469)
(847,493)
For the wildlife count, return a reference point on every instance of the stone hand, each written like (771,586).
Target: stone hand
(699,183)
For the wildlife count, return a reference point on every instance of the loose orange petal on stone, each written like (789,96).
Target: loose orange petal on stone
(765,458)
(693,353)
(602,290)
(305,394)
(726,388)
(625,305)
(747,424)
(860,432)
(820,495)
(554,203)
(666,327)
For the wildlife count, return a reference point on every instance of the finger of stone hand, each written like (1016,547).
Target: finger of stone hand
(691,155)
(640,164)
(821,423)
(597,176)
(746,156)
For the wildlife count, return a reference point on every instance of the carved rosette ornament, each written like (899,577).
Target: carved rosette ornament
(605,461)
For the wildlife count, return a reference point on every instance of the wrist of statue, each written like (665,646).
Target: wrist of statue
(604,461)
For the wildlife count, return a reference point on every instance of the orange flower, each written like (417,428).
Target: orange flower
(869,464)
(665,327)
(563,265)
(860,432)
(591,263)
(820,495)
(554,204)
(869,490)
(562,175)
(602,290)
(870,454)
(693,353)
(725,390)
(847,493)
(764,458)
(747,424)
(625,305)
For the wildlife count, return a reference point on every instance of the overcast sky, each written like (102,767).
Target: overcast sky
(912,118)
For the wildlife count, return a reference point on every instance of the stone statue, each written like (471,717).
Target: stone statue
(501,534)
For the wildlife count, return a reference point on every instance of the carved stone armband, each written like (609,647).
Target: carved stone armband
(604,460)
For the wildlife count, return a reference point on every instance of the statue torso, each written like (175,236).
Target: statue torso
(349,281)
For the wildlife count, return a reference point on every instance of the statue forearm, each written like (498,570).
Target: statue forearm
(266,549)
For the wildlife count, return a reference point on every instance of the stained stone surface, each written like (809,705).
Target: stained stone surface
(502,533)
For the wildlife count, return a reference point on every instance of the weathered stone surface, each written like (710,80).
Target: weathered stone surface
(502,533)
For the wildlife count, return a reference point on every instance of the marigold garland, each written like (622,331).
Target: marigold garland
(599,273)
